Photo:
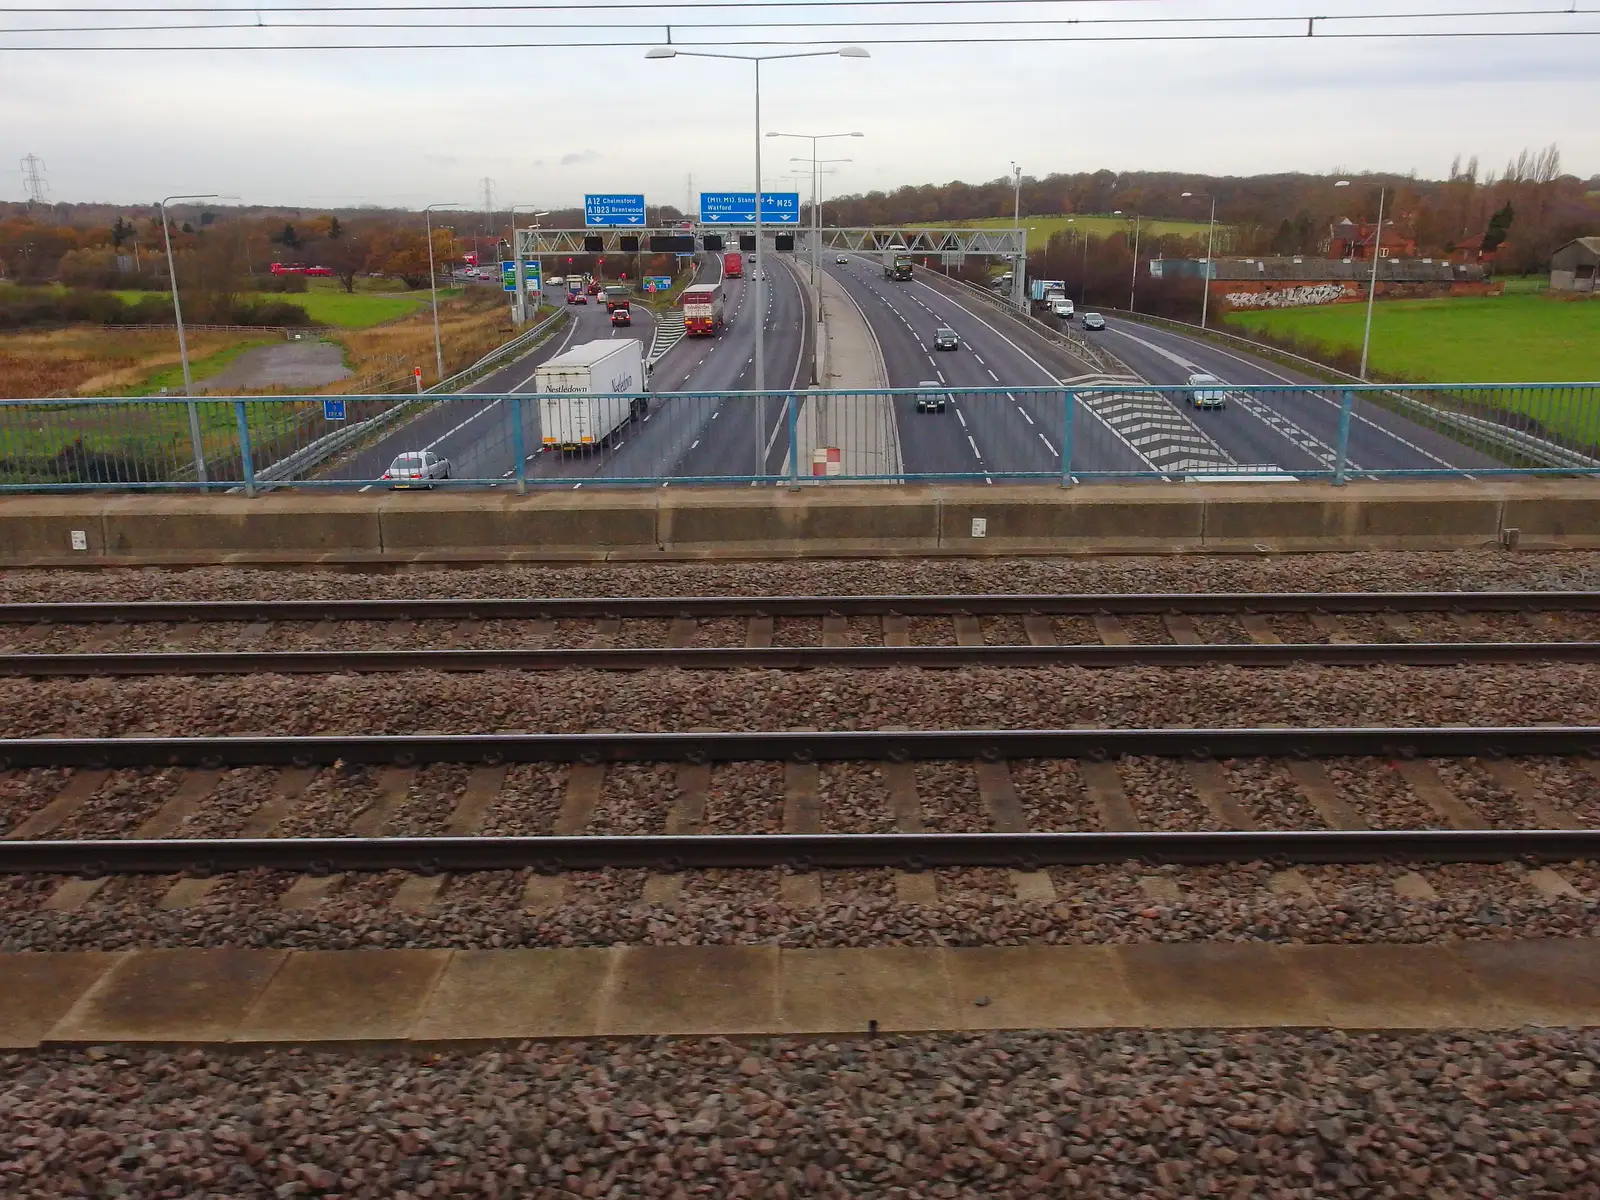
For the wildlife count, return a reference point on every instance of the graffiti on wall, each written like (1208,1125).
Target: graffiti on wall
(1295,297)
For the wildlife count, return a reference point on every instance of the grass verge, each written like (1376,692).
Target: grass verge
(1040,228)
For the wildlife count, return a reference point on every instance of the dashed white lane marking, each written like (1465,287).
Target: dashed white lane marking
(368,488)
(1024,413)
(974,446)
(977,359)
(1046,441)
(993,376)
(961,418)
(694,443)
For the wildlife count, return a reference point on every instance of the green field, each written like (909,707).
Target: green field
(1488,339)
(1040,228)
(334,308)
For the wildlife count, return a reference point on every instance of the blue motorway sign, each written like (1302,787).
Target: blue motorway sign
(739,208)
(333,410)
(530,275)
(613,208)
(658,283)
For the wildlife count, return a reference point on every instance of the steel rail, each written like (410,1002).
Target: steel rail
(990,745)
(906,851)
(367,662)
(534,608)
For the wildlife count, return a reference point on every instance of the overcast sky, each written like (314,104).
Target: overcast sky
(324,128)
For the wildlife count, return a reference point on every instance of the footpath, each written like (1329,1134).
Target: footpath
(850,435)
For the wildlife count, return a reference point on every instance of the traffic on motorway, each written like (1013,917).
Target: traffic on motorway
(934,335)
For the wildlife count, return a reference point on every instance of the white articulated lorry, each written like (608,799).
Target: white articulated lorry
(589,392)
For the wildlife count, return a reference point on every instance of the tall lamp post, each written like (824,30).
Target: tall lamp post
(1211,232)
(824,166)
(195,442)
(756,60)
(1021,268)
(1133,280)
(521,274)
(1372,286)
(816,187)
(433,282)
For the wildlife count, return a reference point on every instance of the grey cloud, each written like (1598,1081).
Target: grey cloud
(572,160)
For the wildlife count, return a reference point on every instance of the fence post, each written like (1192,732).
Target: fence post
(246,462)
(517,447)
(1341,461)
(1069,404)
(794,448)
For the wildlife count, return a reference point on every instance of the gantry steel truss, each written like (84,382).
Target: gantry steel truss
(1004,243)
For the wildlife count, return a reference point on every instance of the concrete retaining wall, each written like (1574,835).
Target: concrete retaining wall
(866,520)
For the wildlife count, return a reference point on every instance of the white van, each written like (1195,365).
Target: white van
(1062,308)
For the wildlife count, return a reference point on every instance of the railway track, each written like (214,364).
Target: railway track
(803,846)
(796,633)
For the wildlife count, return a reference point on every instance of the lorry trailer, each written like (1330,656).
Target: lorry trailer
(702,310)
(732,264)
(897,263)
(589,392)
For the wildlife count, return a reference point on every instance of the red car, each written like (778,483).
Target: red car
(621,316)
(577,298)
(326,272)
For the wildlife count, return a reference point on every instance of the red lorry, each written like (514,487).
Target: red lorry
(732,264)
(702,310)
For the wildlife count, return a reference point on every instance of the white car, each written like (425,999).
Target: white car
(555,281)
(1062,309)
(1207,391)
(417,468)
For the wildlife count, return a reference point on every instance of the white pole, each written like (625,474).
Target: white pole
(433,289)
(1372,288)
(1133,282)
(760,301)
(519,303)
(816,222)
(196,444)
(1205,295)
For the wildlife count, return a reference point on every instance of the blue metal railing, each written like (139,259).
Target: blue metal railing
(1091,430)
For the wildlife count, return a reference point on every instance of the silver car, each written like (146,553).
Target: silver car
(1207,391)
(417,468)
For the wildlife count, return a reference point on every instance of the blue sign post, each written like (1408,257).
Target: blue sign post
(739,208)
(613,208)
(530,275)
(658,283)
(333,410)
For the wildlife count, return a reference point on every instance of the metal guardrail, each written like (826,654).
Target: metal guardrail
(324,448)
(1083,429)
(1513,441)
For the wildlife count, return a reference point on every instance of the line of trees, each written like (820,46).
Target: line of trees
(1523,211)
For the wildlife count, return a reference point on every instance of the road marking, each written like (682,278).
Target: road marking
(962,419)
(1046,441)
(694,443)
(368,488)
(974,446)
(977,359)
(940,374)
(576,486)
(993,376)
(1025,415)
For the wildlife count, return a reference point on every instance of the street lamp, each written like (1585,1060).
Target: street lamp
(1211,231)
(433,282)
(1133,281)
(195,442)
(1372,287)
(520,274)
(756,60)
(816,188)
(1021,268)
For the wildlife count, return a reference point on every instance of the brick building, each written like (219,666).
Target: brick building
(1352,240)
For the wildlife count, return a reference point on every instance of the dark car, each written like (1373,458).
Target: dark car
(843,260)
(621,316)
(1093,321)
(945,338)
(934,398)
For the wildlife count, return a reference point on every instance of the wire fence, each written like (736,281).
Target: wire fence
(1101,430)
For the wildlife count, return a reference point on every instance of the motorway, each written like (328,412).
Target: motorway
(1114,431)
(683,435)
(692,433)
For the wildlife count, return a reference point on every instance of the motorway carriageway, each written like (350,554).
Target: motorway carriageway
(680,435)
(1021,430)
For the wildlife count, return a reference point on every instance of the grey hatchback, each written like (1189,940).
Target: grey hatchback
(933,397)
(945,338)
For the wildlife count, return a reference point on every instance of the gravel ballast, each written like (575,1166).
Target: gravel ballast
(1114,1114)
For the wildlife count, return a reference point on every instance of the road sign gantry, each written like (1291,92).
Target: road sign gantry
(1001,243)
